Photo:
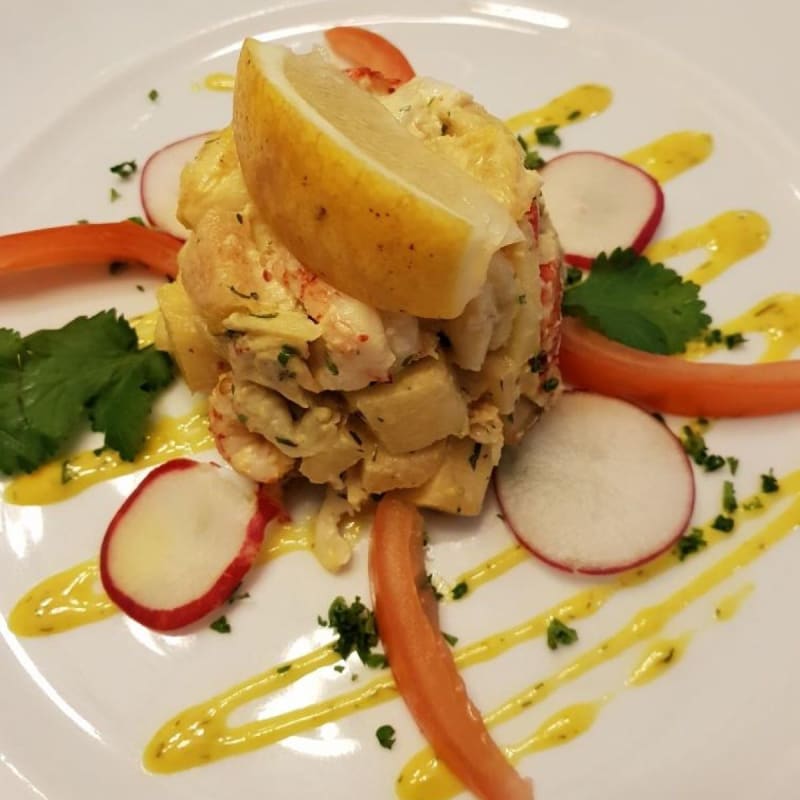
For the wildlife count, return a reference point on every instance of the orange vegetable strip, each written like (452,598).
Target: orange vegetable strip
(422,663)
(665,383)
(90,244)
(365,48)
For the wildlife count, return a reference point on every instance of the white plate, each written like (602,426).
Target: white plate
(78,708)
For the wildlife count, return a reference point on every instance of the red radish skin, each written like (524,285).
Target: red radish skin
(160,184)
(265,509)
(599,202)
(593,518)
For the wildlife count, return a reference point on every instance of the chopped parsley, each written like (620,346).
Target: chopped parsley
(460,589)
(695,446)
(533,160)
(546,135)
(716,337)
(769,483)
(356,626)
(153,95)
(220,625)
(643,305)
(136,221)
(551,384)
(283,669)
(377,661)
(713,463)
(250,296)
(52,381)
(330,365)
(113,195)
(339,668)
(67,471)
(287,351)
(729,501)
(450,639)
(385,736)
(753,504)
(573,115)
(723,523)
(560,634)
(538,363)
(733,464)
(475,455)
(734,340)
(692,542)
(124,169)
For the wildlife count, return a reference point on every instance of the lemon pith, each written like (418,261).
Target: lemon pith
(353,194)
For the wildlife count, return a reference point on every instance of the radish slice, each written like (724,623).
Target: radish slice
(161,178)
(598,486)
(598,202)
(181,543)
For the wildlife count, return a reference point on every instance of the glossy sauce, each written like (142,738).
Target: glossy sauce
(730,605)
(658,658)
(219,82)
(727,239)
(669,156)
(776,317)
(184,742)
(75,597)
(169,437)
(578,104)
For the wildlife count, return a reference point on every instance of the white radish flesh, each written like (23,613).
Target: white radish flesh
(598,486)
(180,544)
(598,202)
(161,176)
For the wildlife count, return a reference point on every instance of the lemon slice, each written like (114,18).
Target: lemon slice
(354,195)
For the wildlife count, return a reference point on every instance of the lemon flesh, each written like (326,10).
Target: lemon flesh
(354,195)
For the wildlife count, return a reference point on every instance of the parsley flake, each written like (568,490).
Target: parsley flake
(769,483)
(385,736)
(546,135)
(356,626)
(460,589)
(692,542)
(124,169)
(559,634)
(450,639)
(153,95)
(729,502)
(287,351)
(283,669)
(220,625)
(723,523)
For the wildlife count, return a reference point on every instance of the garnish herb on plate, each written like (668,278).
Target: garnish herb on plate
(220,625)
(124,169)
(53,380)
(769,483)
(723,523)
(729,501)
(385,736)
(358,632)
(559,634)
(640,304)
(152,95)
(690,543)
(546,135)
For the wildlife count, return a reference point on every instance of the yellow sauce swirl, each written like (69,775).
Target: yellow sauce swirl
(729,605)
(184,742)
(776,317)
(727,238)
(582,102)
(74,597)
(658,658)
(669,156)
(169,437)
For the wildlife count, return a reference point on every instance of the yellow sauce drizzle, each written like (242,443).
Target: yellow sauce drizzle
(62,602)
(669,156)
(582,102)
(729,605)
(145,327)
(727,238)
(646,623)
(202,734)
(776,317)
(659,657)
(75,597)
(219,82)
(427,777)
(493,567)
(169,437)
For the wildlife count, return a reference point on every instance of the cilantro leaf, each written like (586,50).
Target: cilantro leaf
(50,379)
(21,447)
(643,305)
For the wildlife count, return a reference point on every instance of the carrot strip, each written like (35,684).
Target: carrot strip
(422,663)
(90,244)
(664,383)
(365,48)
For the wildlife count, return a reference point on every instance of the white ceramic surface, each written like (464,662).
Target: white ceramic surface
(77,709)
